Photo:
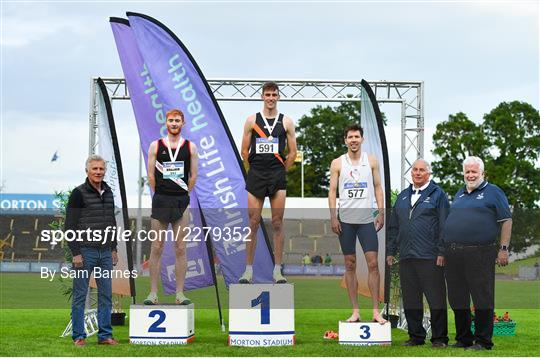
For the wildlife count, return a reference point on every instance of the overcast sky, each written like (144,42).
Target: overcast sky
(470,55)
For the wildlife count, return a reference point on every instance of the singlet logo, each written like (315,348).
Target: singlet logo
(355,175)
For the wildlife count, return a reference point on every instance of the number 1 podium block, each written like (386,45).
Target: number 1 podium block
(161,324)
(261,315)
(365,333)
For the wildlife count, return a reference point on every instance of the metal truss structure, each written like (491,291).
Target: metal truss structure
(408,94)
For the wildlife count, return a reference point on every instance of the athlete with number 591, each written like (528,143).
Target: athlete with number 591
(356,174)
(266,134)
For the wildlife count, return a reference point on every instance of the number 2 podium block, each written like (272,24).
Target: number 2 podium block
(365,333)
(261,315)
(161,324)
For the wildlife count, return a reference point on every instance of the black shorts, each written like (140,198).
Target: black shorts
(366,234)
(169,208)
(263,183)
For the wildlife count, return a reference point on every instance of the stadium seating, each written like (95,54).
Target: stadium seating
(19,239)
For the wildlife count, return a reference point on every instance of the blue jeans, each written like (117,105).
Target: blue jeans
(93,257)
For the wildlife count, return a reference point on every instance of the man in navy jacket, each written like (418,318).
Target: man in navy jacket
(415,231)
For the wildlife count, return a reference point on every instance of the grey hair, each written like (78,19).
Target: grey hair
(473,160)
(428,165)
(94,158)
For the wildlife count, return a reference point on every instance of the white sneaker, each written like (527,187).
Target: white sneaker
(247,277)
(182,300)
(279,278)
(151,299)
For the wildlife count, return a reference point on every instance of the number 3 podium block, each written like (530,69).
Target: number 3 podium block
(365,333)
(261,315)
(161,324)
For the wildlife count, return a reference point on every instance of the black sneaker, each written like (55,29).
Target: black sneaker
(459,344)
(439,345)
(412,343)
(477,347)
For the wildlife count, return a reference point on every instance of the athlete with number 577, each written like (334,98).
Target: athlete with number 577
(356,174)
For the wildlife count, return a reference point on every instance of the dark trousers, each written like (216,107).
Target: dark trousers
(470,272)
(423,277)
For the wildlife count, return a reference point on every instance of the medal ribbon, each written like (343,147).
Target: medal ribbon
(180,142)
(269,128)
(261,134)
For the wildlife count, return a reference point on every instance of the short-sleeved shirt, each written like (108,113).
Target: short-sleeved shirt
(475,217)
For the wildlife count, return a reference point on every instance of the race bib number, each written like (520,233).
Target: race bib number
(173,170)
(356,190)
(266,146)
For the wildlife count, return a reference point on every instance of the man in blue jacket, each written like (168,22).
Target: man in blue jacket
(415,231)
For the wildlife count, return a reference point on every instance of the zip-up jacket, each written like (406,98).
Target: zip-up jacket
(417,231)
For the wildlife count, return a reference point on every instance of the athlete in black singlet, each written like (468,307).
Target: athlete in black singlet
(172,171)
(266,134)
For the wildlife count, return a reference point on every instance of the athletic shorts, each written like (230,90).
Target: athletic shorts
(263,183)
(169,208)
(366,234)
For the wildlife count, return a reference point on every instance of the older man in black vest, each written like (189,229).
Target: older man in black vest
(90,218)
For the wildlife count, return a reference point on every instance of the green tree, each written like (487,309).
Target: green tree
(513,131)
(508,141)
(294,180)
(320,136)
(454,140)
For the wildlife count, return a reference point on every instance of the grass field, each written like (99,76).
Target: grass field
(513,268)
(33,315)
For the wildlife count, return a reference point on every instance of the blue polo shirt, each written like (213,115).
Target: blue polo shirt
(475,217)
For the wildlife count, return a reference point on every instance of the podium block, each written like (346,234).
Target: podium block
(261,315)
(365,333)
(161,324)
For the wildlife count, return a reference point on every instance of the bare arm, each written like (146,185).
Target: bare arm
(246,138)
(379,197)
(193,165)
(288,124)
(335,167)
(506,231)
(151,165)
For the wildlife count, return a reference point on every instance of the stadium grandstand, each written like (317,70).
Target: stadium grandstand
(20,239)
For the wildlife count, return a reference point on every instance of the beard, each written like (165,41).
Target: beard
(173,131)
(471,185)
